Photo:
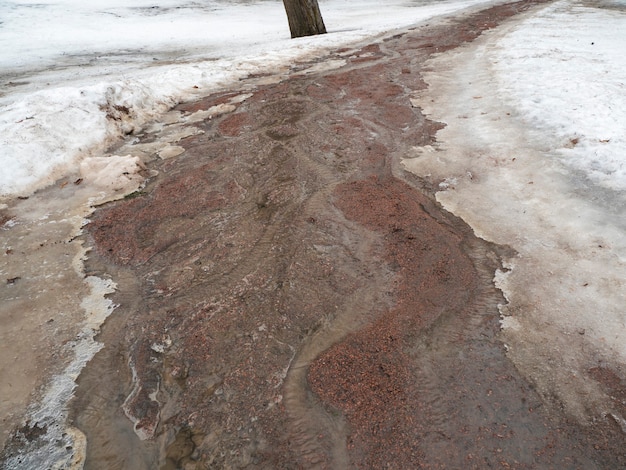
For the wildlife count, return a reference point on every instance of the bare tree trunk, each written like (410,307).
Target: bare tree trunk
(304,18)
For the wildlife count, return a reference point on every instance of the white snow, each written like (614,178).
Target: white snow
(570,82)
(68,64)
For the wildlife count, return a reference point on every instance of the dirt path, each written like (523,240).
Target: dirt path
(290,298)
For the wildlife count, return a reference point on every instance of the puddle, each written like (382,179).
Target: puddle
(51,312)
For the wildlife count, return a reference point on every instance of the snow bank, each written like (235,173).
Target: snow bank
(98,70)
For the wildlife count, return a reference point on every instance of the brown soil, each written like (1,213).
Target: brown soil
(290,298)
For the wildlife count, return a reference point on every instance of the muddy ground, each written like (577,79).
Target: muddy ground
(289,297)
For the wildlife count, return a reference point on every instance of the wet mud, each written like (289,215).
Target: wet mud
(290,298)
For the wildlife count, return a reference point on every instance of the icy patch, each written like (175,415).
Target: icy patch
(43,253)
(325,66)
(97,307)
(162,346)
(145,426)
(170,151)
(510,323)
(114,173)
(212,112)
(60,446)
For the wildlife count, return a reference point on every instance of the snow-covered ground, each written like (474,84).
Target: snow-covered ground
(534,157)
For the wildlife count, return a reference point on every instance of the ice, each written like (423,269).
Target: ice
(513,102)
(113,173)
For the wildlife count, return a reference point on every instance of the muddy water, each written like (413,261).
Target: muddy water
(290,298)
(50,309)
(49,316)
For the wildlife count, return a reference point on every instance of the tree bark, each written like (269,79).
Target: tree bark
(304,18)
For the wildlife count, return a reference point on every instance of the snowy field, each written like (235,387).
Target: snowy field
(535,141)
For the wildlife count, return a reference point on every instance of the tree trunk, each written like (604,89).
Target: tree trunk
(304,18)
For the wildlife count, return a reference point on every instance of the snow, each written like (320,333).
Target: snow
(571,82)
(68,64)
(532,157)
